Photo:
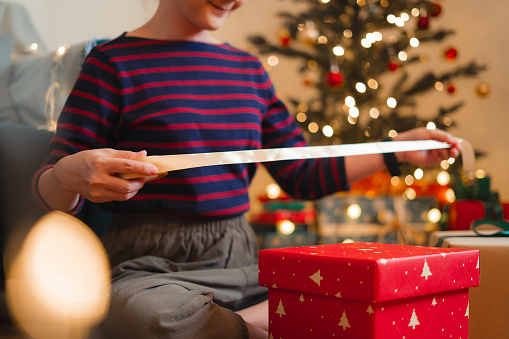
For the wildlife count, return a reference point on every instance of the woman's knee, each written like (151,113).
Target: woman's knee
(168,311)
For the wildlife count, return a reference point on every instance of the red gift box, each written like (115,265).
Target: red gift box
(368,290)
(462,213)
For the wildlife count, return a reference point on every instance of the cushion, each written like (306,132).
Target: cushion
(34,87)
(15,21)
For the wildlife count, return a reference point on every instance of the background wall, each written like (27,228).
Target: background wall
(479,27)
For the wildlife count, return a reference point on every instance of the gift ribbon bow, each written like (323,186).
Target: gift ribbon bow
(166,163)
(499,227)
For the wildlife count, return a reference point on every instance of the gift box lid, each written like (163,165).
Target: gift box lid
(370,272)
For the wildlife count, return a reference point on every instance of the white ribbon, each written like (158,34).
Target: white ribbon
(166,163)
(468,162)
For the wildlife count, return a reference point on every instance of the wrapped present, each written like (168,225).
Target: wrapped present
(379,183)
(284,222)
(283,233)
(368,290)
(417,219)
(462,213)
(276,216)
(267,240)
(474,200)
(355,217)
(478,189)
(289,205)
(488,302)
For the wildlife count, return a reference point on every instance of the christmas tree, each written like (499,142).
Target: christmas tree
(360,57)
(280,309)
(413,320)
(426,271)
(344,321)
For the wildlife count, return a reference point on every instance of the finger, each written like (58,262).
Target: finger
(116,188)
(134,155)
(454,152)
(137,167)
(123,154)
(110,195)
(443,154)
(122,196)
(122,186)
(456,147)
(444,136)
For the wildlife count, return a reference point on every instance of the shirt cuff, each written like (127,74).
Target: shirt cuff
(40,200)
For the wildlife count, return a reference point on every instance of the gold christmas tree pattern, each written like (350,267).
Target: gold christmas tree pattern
(368,290)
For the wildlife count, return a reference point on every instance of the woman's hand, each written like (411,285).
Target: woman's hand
(92,174)
(430,157)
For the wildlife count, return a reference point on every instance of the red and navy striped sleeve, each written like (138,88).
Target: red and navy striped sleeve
(308,179)
(177,97)
(88,119)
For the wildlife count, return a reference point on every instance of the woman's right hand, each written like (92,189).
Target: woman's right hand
(93,174)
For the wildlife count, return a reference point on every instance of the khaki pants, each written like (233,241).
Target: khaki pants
(179,277)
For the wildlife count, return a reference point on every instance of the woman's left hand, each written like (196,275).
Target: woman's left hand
(428,158)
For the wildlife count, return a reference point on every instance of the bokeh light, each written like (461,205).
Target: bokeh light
(59,280)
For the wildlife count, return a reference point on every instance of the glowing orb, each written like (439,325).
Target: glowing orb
(58,284)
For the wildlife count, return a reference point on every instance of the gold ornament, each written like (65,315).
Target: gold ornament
(482,89)
(308,34)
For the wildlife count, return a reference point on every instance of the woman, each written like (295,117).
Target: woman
(184,259)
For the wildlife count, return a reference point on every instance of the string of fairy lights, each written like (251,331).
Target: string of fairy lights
(51,93)
(329,42)
(310,36)
(354,213)
(340,46)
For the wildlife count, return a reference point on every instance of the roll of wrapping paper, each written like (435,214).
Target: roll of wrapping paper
(175,162)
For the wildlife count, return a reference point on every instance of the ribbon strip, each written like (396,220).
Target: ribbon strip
(166,163)
(468,161)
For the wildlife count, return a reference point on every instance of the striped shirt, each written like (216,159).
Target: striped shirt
(177,97)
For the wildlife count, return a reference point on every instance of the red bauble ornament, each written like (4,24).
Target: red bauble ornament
(435,9)
(392,66)
(335,79)
(423,23)
(285,41)
(451,89)
(451,54)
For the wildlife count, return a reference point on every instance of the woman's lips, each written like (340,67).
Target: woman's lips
(221,8)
